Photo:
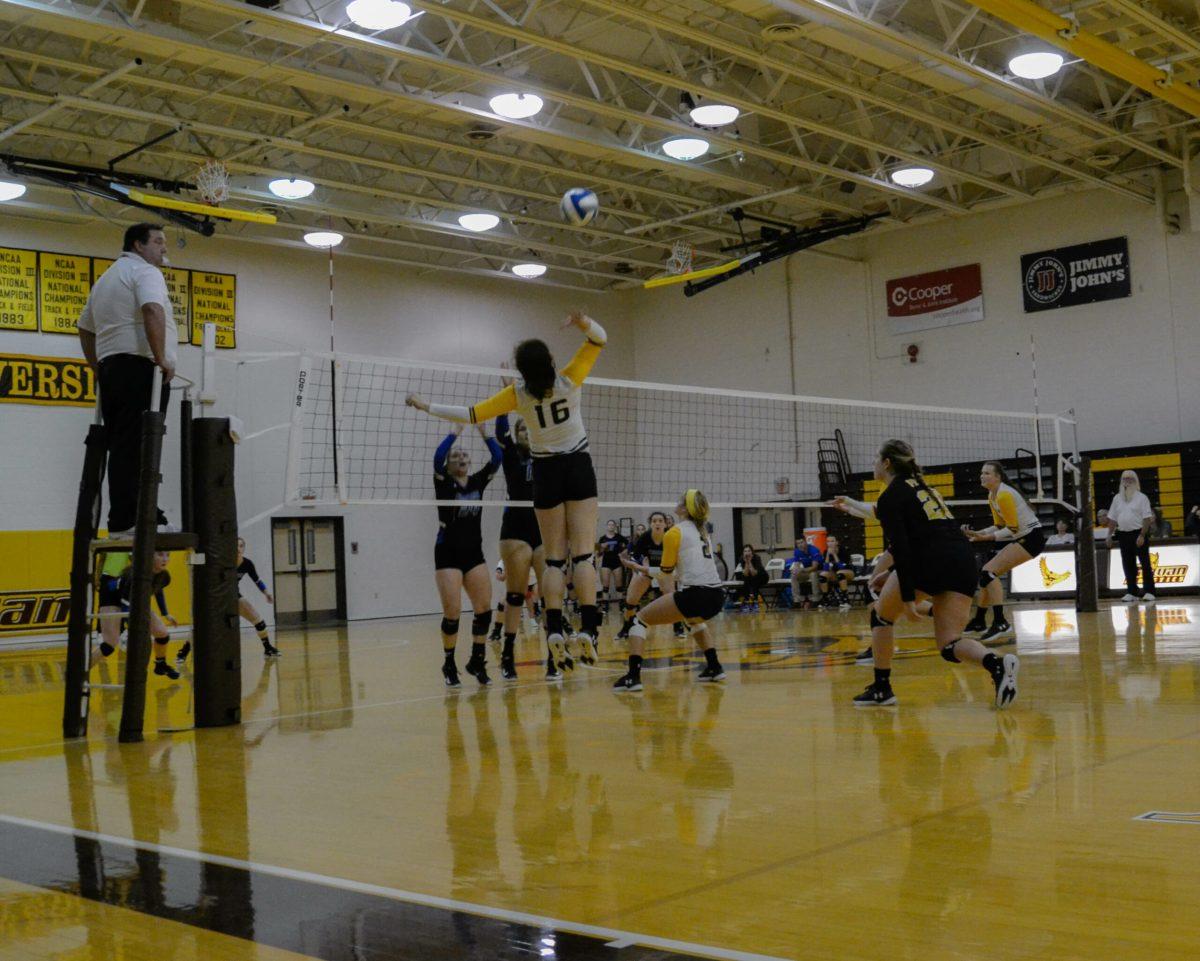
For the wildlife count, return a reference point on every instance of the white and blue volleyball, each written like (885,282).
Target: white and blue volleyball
(579,206)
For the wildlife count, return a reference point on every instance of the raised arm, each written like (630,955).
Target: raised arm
(499,403)
(589,351)
(503,434)
(443,451)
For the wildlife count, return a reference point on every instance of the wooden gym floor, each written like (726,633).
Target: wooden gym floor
(362,811)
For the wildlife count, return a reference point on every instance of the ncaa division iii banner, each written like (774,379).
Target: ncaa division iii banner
(1082,274)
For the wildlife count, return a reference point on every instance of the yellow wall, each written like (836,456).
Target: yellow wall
(1170,481)
(35,583)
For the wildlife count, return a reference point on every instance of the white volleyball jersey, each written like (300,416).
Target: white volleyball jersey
(1011,513)
(556,422)
(689,556)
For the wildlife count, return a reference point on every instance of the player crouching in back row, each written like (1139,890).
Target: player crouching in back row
(687,559)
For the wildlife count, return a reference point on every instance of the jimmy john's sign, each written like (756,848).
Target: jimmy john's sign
(1069,276)
(54,381)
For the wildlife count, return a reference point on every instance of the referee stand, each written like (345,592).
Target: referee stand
(209,515)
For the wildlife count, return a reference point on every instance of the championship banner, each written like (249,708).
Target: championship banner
(64,282)
(18,289)
(1082,274)
(178,289)
(48,381)
(941,298)
(214,300)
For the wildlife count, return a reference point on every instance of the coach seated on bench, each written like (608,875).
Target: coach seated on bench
(806,562)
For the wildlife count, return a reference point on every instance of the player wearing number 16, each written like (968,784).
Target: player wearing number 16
(564,481)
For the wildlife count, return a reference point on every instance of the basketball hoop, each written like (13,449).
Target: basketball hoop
(680,261)
(212,182)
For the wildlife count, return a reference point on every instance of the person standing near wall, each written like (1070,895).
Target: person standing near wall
(1131,517)
(126,330)
(1191,526)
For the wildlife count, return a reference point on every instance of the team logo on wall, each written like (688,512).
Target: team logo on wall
(1082,274)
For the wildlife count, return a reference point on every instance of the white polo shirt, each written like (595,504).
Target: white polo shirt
(114,308)
(1129,514)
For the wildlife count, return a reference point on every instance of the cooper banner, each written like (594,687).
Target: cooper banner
(1082,274)
(937,299)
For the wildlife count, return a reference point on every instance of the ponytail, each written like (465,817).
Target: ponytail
(904,461)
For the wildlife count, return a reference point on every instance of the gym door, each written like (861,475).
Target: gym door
(310,582)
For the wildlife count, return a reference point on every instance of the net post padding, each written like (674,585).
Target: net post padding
(218,662)
(649,441)
(1087,592)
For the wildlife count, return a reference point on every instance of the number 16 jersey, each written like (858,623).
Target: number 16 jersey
(555,422)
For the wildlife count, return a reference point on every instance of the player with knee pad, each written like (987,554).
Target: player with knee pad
(246,568)
(589,616)
(932,558)
(1019,530)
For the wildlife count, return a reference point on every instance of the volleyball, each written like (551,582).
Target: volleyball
(579,206)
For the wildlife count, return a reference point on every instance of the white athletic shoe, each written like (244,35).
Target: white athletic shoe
(1129,598)
(1006,681)
(587,650)
(1149,598)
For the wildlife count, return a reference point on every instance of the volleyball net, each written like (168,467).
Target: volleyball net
(353,440)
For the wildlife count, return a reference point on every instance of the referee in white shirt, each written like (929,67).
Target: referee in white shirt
(127,329)
(1131,517)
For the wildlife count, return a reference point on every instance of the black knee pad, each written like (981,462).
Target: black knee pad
(559,562)
(481,622)
(877,621)
(985,578)
(513,599)
(449,626)
(260,626)
(948,652)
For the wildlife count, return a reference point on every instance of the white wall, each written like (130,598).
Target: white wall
(283,304)
(1127,366)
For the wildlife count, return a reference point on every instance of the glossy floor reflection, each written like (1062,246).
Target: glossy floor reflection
(361,810)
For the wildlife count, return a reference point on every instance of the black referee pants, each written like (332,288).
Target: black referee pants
(125,384)
(1131,556)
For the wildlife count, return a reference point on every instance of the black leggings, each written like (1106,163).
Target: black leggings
(1131,556)
(752,584)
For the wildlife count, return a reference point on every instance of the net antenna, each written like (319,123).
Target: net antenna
(680,261)
(212,182)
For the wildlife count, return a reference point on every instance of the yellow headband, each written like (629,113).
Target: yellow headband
(689,500)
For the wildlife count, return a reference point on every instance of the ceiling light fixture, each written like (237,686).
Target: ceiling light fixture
(478,223)
(10,190)
(516,106)
(685,148)
(714,114)
(1036,65)
(379,14)
(912,176)
(291,188)
(323,238)
(529,271)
